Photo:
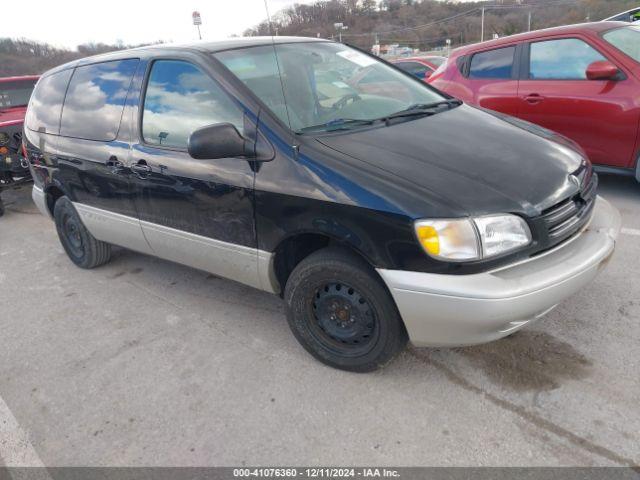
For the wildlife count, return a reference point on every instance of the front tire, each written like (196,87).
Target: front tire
(82,248)
(341,312)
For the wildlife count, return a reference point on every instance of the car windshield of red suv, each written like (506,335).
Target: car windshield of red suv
(15,94)
(626,39)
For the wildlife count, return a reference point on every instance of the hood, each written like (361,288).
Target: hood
(12,115)
(470,159)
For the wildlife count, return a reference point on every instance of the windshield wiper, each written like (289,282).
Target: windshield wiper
(338,124)
(413,110)
(422,109)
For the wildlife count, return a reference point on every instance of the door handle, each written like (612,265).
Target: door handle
(534,98)
(115,166)
(141,168)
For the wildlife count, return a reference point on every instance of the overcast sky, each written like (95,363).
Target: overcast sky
(68,23)
(71,22)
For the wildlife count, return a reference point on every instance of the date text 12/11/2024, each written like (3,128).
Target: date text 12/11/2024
(317,472)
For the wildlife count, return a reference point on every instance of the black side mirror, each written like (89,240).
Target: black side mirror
(220,140)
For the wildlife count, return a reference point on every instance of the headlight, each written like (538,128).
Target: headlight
(4,138)
(501,234)
(459,240)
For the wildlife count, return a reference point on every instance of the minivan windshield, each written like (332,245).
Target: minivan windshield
(625,39)
(326,84)
(15,94)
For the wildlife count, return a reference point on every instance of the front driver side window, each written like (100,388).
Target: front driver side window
(564,59)
(181,99)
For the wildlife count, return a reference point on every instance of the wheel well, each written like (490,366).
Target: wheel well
(295,249)
(53,194)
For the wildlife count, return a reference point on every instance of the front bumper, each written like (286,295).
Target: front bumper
(453,310)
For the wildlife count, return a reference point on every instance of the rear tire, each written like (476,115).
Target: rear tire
(341,312)
(82,248)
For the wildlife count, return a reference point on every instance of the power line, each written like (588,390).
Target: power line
(558,3)
(406,29)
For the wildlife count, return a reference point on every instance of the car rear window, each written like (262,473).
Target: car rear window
(496,63)
(15,94)
(414,68)
(95,100)
(45,106)
(437,61)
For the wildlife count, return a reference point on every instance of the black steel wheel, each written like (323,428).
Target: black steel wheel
(341,312)
(82,248)
(344,319)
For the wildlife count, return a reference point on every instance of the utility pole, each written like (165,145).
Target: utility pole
(482,26)
(529,22)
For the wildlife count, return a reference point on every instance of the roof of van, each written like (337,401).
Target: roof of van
(239,42)
(202,46)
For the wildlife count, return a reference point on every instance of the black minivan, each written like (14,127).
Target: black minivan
(380,209)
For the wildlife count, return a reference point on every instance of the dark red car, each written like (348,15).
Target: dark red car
(582,81)
(14,97)
(421,67)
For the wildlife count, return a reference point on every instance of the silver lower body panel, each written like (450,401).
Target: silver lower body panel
(40,199)
(246,265)
(114,228)
(236,262)
(454,310)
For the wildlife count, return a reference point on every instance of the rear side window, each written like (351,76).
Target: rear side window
(46,103)
(493,64)
(564,59)
(95,100)
(181,99)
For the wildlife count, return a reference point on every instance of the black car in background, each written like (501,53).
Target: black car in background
(380,209)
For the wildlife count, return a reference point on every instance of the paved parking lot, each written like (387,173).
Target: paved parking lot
(144,362)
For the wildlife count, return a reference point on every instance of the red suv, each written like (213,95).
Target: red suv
(582,81)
